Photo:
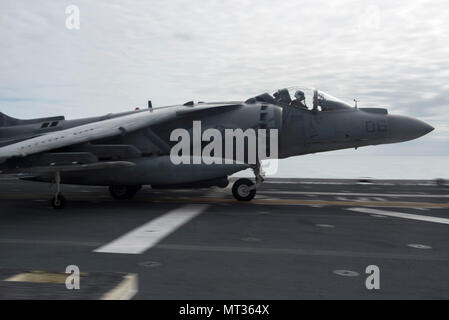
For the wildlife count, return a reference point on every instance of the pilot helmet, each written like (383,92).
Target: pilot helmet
(283,95)
(299,95)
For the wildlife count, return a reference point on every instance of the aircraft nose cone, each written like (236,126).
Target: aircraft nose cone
(403,128)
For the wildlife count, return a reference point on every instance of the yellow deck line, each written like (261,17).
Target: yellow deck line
(41,277)
(291,202)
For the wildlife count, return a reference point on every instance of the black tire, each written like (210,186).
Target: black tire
(123,192)
(58,202)
(241,190)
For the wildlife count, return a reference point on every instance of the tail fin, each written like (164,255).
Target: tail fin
(7,121)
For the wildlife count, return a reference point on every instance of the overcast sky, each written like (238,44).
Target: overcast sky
(391,54)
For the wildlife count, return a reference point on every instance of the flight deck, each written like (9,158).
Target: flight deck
(298,239)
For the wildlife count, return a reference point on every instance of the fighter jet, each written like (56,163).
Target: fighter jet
(128,150)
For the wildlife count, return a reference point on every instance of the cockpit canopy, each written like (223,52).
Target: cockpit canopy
(303,98)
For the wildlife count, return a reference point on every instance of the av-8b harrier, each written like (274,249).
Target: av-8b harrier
(184,145)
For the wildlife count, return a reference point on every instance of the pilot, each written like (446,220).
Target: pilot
(283,96)
(299,100)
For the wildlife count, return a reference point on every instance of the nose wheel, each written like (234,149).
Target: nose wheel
(244,190)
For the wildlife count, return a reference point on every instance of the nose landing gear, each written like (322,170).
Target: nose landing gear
(244,189)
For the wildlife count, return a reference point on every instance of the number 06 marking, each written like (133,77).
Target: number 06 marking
(376,126)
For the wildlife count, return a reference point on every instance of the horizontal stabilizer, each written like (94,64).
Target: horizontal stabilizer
(7,121)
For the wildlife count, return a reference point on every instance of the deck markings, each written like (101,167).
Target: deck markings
(292,202)
(256,250)
(321,225)
(40,277)
(403,195)
(377,216)
(126,290)
(419,246)
(150,264)
(400,215)
(146,236)
(346,273)
(283,202)
(301,252)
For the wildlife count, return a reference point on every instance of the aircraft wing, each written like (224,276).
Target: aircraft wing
(84,133)
(105,129)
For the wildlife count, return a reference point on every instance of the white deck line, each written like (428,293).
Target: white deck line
(148,235)
(401,215)
(408,195)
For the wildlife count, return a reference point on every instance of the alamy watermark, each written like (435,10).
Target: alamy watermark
(228,146)
(72,281)
(72,21)
(372,282)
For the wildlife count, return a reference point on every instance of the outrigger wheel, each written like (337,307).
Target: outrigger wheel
(243,190)
(123,192)
(58,201)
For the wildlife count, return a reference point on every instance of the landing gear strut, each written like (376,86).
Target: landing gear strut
(59,201)
(245,189)
(123,192)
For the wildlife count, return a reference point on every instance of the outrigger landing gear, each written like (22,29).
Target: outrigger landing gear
(59,201)
(123,192)
(244,189)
